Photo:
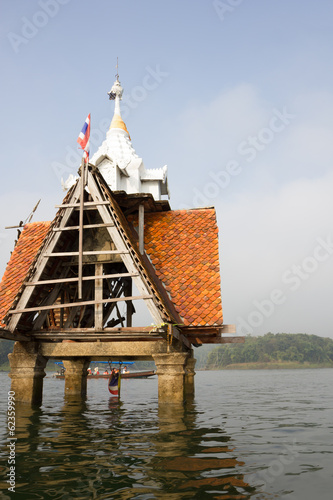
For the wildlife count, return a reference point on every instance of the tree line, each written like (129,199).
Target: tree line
(271,347)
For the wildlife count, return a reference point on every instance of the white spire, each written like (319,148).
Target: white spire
(117,160)
(117,145)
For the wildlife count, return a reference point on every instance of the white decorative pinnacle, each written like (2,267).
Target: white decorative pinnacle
(116,94)
(116,90)
(118,162)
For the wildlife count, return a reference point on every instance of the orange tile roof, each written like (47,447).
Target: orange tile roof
(23,254)
(183,248)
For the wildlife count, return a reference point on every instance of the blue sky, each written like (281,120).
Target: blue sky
(234,96)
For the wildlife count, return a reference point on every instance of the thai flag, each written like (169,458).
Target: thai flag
(114,384)
(83,138)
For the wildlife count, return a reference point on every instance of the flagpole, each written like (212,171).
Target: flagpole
(83,140)
(81,227)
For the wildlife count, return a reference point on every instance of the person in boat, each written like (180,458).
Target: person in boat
(96,371)
(89,371)
(106,372)
(124,370)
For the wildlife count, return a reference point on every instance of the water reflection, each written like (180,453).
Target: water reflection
(195,461)
(115,450)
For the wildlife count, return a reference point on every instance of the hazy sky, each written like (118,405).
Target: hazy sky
(236,97)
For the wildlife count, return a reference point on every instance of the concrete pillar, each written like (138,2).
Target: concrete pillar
(76,376)
(171,376)
(189,375)
(27,372)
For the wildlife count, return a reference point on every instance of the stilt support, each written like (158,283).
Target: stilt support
(171,376)
(76,377)
(27,372)
(189,375)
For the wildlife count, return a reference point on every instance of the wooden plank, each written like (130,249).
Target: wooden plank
(77,304)
(140,330)
(195,332)
(90,252)
(97,337)
(50,299)
(141,228)
(86,209)
(129,305)
(86,204)
(228,329)
(6,334)
(179,336)
(99,297)
(222,340)
(71,312)
(80,268)
(75,280)
(85,226)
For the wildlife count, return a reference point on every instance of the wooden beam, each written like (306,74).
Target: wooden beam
(179,336)
(98,337)
(149,330)
(99,297)
(218,340)
(51,298)
(141,228)
(86,226)
(104,350)
(86,204)
(75,280)
(198,332)
(76,304)
(228,329)
(90,252)
(80,269)
(5,334)
(129,305)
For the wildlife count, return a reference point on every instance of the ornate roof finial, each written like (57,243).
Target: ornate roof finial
(115,94)
(116,89)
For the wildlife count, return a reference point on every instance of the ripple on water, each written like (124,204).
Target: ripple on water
(246,435)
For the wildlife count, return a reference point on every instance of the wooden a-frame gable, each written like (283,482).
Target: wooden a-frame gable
(75,290)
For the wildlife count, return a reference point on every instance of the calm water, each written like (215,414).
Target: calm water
(247,434)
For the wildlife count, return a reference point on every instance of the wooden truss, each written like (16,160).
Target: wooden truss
(85,268)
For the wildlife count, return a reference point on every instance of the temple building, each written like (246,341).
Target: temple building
(73,286)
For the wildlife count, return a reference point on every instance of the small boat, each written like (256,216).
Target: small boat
(146,374)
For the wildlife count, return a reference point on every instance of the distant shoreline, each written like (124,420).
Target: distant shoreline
(283,365)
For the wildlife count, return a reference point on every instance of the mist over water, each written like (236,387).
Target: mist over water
(259,434)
